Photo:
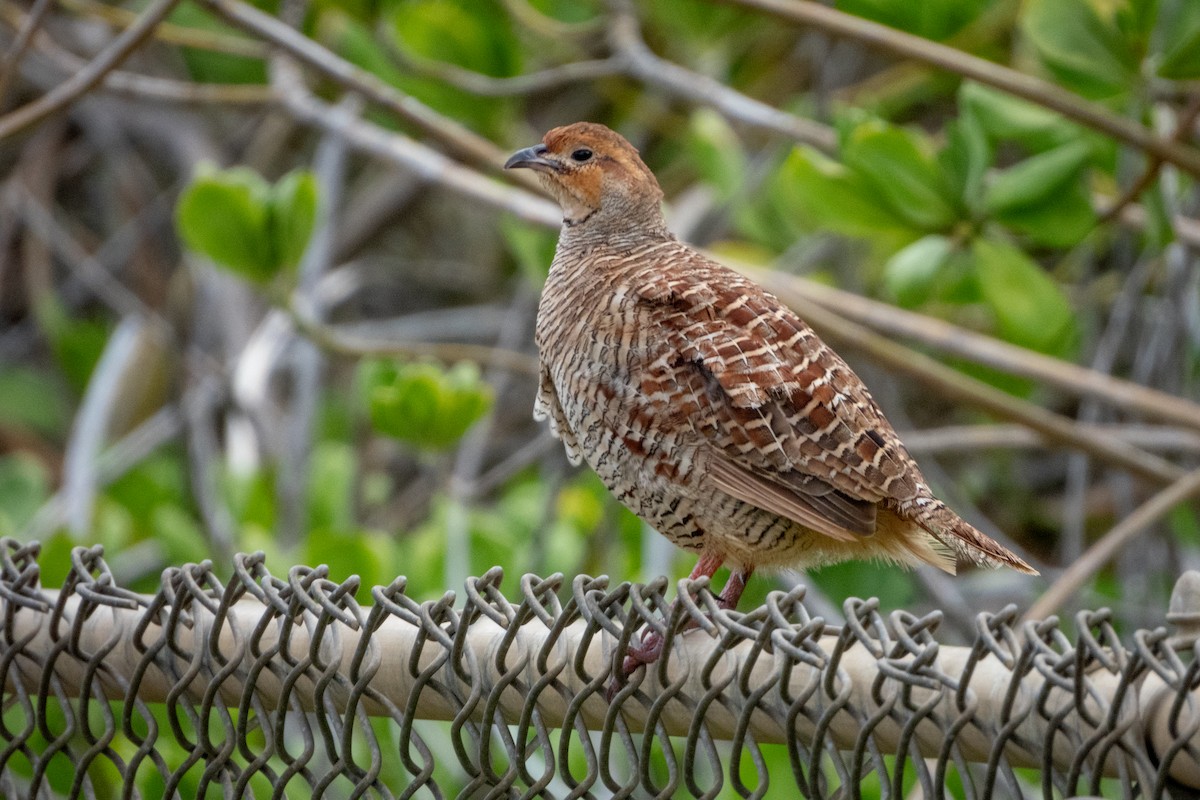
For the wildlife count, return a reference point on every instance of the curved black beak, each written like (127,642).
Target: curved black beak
(531,158)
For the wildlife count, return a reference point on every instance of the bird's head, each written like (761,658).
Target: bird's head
(595,174)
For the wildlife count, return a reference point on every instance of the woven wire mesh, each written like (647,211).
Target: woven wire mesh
(264,686)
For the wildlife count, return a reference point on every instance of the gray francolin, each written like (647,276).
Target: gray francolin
(707,406)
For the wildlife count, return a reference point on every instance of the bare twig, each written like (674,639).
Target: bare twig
(533,19)
(77,84)
(1084,568)
(27,27)
(982,349)
(117,384)
(41,221)
(1044,93)
(1183,130)
(950,439)
(331,338)
(909,78)
(200,410)
(144,86)
(120,457)
(627,41)
(329,165)
(491,86)
(461,140)
(198,38)
(414,157)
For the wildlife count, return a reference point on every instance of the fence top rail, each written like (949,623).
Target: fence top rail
(232,679)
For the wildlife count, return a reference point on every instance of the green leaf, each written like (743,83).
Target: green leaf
(531,246)
(333,470)
(1007,118)
(77,343)
(351,552)
(423,404)
(1037,179)
(212,66)
(159,480)
(830,196)
(477,35)
(910,274)
(479,38)
(1029,307)
(54,561)
(179,534)
(1179,23)
(33,399)
(355,42)
(568,10)
(293,214)
(1061,220)
(224,215)
(716,151)
(1082,50)
(897,165)
(932,19)
(965,158)
(24,487)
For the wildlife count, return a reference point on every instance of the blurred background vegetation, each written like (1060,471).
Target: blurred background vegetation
(264,286)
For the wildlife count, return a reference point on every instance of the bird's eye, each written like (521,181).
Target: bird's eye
(582,154)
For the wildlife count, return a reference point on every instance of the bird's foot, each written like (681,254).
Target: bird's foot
(650,648)
(646,651)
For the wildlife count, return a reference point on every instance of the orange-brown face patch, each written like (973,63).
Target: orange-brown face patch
(584,182)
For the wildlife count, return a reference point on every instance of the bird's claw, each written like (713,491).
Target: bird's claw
(647,651)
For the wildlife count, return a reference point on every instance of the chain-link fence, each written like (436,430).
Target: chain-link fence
(288,687)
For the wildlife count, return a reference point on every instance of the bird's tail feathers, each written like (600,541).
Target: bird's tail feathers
(961,537)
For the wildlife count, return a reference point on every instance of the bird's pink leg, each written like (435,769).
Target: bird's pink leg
(650,648)
(734,587)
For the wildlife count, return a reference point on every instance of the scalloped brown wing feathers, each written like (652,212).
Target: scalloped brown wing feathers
(790,423)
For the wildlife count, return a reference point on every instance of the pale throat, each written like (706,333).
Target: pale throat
(574,210)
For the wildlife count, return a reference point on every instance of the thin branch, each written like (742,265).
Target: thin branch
(626,40)
(1186,229)
(533,19)
(142,86)
(1044,93)
(90,267)
(197,38)
(334,340)
(166,90)
(468,80)
(79,83)
(26,28)
(936,376)
(1093,560)
(908,78)
(115,383)
(41,222)
(449,132)
(982,349)
(1183,130)
(424,162)
(121,456)
(950,439)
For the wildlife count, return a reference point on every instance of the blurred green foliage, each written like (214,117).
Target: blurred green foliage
(423,404)
(953,198)
(246,225)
